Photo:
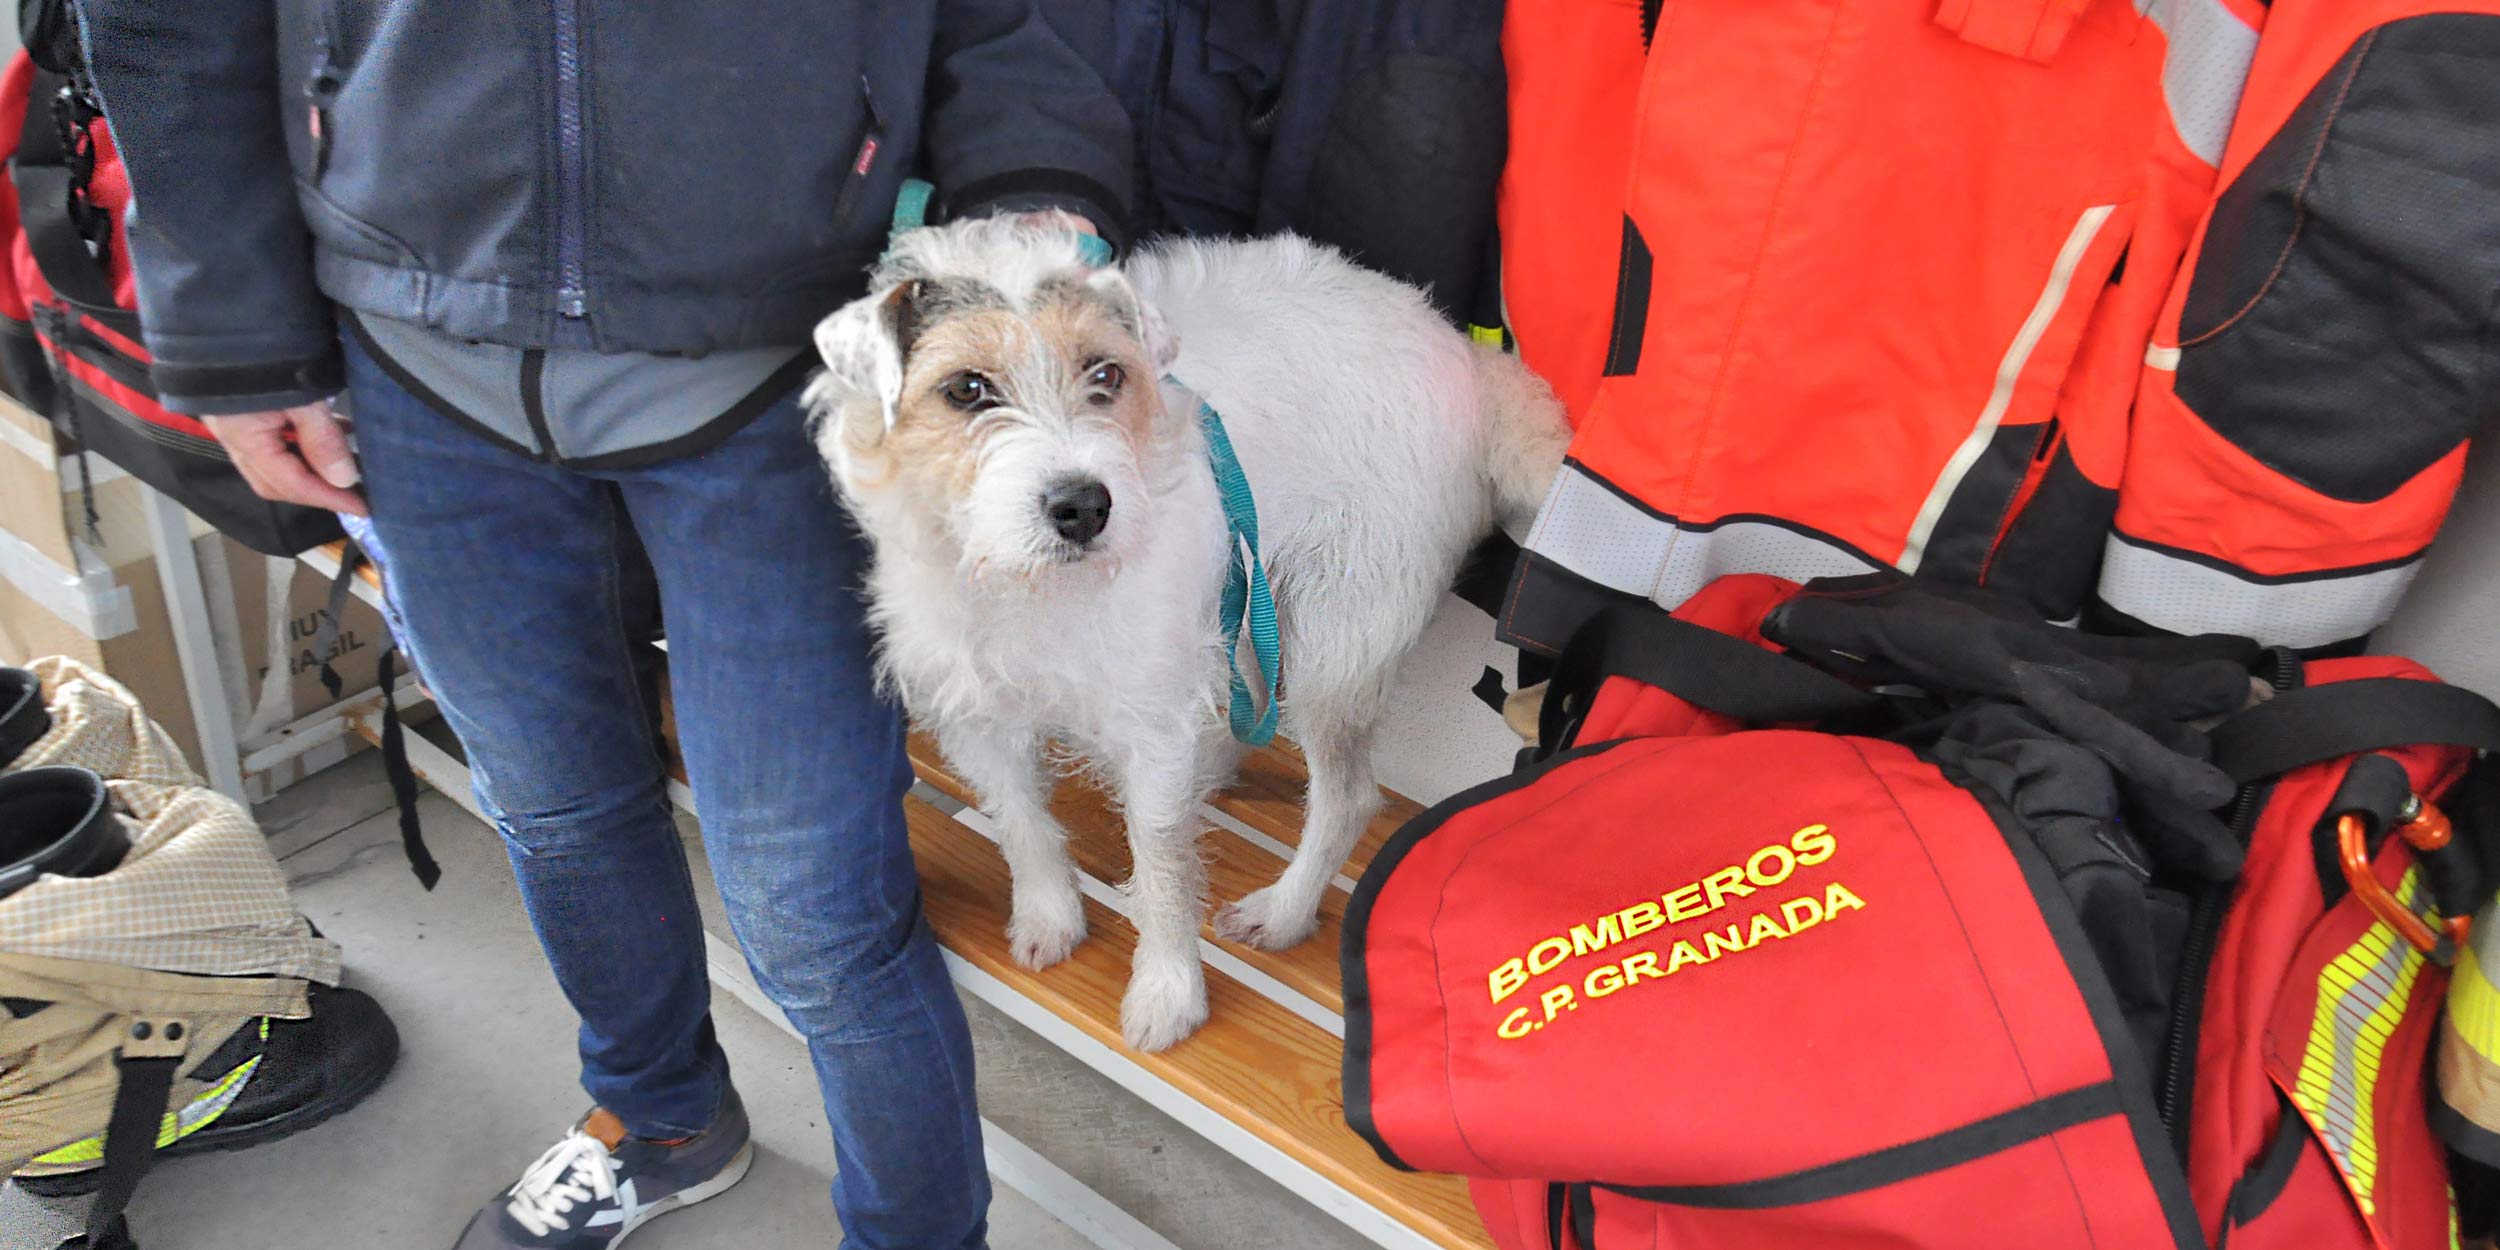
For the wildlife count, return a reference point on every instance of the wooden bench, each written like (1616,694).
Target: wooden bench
(1262,1079)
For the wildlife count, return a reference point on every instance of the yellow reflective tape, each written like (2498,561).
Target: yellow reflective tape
(2361,999)
(89,1151)
(1490,336)
(193,1116)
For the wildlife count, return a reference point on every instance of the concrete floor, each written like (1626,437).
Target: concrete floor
(487,1080)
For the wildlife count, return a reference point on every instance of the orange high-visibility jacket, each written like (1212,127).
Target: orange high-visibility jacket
(2172,312)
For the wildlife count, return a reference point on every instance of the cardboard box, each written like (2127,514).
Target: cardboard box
(97,596)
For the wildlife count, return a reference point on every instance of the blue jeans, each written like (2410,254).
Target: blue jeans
(506,572)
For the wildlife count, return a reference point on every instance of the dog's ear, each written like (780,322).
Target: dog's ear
(1161,345)
(865,345)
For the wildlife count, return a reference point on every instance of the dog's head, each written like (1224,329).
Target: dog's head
(997,393)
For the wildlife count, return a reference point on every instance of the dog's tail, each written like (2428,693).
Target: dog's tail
(1526,435)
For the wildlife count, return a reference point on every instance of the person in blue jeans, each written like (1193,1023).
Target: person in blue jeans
(563,261)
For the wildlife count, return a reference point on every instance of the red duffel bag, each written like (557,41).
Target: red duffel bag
(1756,958)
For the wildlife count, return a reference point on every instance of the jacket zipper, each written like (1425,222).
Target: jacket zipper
(2178,1077)
(2035,471)
(534,401)
(1649,21)
(572,293)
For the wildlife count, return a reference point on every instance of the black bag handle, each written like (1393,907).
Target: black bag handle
(2318,723)
(1695,663)
(46,185)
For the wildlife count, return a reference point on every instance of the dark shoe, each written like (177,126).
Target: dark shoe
(308,1070)
(272,1079)
(598,1184)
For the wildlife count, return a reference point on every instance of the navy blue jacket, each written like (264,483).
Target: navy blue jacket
(1378,126)
(643,176)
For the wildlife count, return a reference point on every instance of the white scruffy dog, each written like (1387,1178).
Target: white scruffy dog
(1017,431)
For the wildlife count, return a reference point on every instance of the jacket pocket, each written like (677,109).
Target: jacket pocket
(321,94)
(2290,1198)
(1631,316)
(325,72)
(868,157)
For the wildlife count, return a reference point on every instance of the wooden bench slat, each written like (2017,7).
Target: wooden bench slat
(1098,841)
(365,572)
(1255,1063)
(1268,797)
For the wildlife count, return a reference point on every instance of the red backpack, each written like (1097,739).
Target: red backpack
(2003,943)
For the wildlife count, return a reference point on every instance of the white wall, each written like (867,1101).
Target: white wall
(2447,618)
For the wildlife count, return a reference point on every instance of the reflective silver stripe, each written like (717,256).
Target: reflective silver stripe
(2009,372)
(204,1110)
(1603,537)
(2205,71)
(2187,597)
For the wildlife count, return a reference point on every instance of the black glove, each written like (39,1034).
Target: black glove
(2126,701)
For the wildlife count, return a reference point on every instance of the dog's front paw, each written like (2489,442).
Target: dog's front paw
(1045,925)
(1268,920)
(1163,1005)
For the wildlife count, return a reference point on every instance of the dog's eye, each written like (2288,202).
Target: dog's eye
(970,392)
(1107,376)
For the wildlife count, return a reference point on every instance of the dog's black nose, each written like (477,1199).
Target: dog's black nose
(1078,508)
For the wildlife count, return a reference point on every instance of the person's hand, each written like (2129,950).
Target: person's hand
(314,468)
(1092,248)
(1078,222)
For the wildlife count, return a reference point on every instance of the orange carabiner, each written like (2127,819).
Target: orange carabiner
(2425,829)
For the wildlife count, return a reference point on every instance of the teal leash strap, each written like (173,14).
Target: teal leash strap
(1247,599)
(911,211)
(911,207)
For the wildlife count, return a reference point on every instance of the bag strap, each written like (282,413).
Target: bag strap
(403,776)
(1699,665)
(333,612)
(146,1086)
(2318,723)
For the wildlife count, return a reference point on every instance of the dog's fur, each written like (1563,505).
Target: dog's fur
(1380,445)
